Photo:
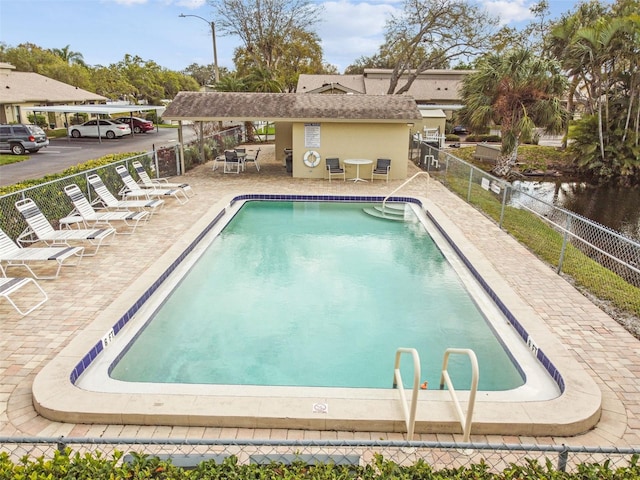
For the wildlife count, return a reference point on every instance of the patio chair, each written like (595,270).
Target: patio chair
(231,162)
(108,201)
(90,218)
(13,255)
(383,165)
(147,182)
(9,286)
(40,229)
(334,169)
(253,159)
(132,189)
(217,160)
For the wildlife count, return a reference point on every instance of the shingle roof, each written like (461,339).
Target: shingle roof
(25,87)
(208,106)
(432,86)
(309,83)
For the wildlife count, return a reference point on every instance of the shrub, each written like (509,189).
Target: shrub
(91,164)
(483,138)
(141,467)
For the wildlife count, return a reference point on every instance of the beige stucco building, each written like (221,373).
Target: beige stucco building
(436,92)
(19,90)
(345,126)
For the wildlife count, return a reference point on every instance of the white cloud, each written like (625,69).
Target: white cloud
(509,11)
(351,30)
(191,4)
(130,2)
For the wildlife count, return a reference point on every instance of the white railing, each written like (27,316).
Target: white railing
(409,411)
(465,419)
(404,183)
(435,138)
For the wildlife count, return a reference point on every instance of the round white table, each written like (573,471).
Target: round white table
(357,162)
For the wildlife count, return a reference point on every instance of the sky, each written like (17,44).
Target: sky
(103,31)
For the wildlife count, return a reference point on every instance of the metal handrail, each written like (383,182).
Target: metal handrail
(465,420)
(405,182)
(409,414)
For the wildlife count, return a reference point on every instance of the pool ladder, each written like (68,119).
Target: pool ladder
(410,411)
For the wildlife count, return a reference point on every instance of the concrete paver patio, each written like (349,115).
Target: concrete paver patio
(605,350)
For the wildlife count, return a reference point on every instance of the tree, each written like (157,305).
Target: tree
(530,37)
(431,34)
(231,83)
(599,46)
(265,27)
(112,83)
(302,55)
(557,43)
(518,91)
(262,80)
(68,56)
(200,73)
(28,57)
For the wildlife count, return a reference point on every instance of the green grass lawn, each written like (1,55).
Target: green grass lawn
(6,159)
(534,157)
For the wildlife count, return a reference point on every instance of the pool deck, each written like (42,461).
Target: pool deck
(606,351)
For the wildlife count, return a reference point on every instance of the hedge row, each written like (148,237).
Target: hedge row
(66,465)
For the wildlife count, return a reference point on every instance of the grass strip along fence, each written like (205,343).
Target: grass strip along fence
(569,253)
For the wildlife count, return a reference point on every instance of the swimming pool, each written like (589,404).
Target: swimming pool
(316,294)
(93,399)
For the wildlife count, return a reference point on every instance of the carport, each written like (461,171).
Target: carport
(93,110)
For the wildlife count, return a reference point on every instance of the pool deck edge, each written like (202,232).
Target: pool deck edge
(575,411)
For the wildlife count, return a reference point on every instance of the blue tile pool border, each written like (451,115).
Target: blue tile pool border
(84,363)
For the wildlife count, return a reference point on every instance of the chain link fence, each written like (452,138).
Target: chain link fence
(188,453)
(52,200)
(196,152)
(598,259)
(163,161)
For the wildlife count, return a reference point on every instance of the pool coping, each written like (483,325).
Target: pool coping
(575,411)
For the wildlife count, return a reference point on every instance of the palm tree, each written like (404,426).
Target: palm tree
(518,91)
(69,56)
(560,40)
(262,79)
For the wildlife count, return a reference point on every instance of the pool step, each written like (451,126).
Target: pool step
(391,211)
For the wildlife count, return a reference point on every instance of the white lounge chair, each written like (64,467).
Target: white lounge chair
(9,286)
(40,229)
(132,189)
(12,255)
(90,218)
(147,182)
(107,200)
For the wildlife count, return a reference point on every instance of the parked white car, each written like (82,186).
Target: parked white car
(108,129)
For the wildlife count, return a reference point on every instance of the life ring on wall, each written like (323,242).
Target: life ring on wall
(311,158)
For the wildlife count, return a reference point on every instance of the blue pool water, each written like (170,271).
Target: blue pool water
(315,294)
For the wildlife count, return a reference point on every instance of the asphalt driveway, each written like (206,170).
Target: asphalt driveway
(65,152)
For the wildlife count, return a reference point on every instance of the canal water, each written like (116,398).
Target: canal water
(612,206)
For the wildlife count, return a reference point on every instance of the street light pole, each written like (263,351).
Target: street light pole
(216,73)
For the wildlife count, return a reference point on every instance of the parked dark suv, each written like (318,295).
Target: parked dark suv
(19,138)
